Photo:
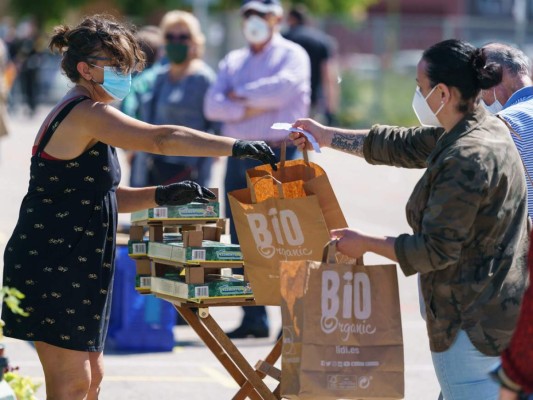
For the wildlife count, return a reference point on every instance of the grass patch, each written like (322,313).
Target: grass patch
(384,98)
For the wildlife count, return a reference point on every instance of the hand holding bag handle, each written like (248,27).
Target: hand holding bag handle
(283,155)
(330,252)
(309,173)
(288,171)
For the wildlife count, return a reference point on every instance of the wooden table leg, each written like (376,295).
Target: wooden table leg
(212,343)
(271,359)
(277,391)
(250,374)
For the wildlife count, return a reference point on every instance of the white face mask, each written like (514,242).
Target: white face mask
(256,30)
(495,107)
(422,110)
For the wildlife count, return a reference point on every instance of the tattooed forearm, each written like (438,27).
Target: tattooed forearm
(352,144)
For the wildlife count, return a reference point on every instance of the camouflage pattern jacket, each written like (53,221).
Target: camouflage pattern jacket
(468,213)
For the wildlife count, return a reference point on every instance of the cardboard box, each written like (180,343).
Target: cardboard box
(139,248)
(142,282)
(198,211)
(142,275)
(210,251)
(212,232)
(143,266)
(219,287)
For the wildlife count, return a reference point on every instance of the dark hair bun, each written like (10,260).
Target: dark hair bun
(487,74)
(59,40)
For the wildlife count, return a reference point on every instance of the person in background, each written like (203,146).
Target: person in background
(512,101)
(61,253)
(260,84)
(468,213)
(322,50)
(4,90)
(150,39)
(176,97)
(27,59)
(10,75)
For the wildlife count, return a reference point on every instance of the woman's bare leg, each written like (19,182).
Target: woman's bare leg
(97,374)
(70,374)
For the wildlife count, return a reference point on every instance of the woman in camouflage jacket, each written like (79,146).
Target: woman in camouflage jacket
(468,213)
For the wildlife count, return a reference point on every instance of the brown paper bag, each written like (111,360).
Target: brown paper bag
(283,219)
(306,190)
(342,335)
(276,229)
(299,178)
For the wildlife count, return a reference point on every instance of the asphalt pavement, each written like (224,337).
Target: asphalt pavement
(373,200)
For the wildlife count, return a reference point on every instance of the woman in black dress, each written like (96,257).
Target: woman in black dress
(61,253)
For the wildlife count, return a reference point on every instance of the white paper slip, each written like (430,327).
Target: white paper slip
(285,126)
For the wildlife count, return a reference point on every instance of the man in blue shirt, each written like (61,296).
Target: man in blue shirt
(512,101)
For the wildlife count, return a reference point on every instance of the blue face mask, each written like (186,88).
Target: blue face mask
(115,83)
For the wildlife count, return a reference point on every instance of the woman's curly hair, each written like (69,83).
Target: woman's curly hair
(96,35)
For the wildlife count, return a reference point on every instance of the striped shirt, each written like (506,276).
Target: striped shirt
(518,113)
(277,79)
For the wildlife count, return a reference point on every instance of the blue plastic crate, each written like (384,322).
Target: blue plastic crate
(137,322)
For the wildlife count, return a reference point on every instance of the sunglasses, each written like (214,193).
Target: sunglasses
(248,13)
(182,37)
(116,70)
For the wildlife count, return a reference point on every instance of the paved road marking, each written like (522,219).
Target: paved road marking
(221,378)
(151,378)
(211,375)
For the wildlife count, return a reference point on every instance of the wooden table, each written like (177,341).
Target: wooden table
(248,378)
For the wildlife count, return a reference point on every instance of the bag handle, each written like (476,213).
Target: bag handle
(330,250)
(328,255)
(278,185)
(283,154)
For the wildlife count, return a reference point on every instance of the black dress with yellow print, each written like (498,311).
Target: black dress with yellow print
(61,253)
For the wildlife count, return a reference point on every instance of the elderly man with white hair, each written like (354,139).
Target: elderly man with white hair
(512,101)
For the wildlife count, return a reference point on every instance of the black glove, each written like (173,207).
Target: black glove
(255,150)
(177,194)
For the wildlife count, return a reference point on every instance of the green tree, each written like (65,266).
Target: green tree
(44,12)
(319,7)
(53,11)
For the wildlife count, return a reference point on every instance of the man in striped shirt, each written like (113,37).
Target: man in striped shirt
(512,101)
(265,82)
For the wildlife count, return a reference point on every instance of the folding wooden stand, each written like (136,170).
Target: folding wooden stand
(249,379)
(197,315)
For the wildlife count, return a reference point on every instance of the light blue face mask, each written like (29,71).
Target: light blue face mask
(115,83)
